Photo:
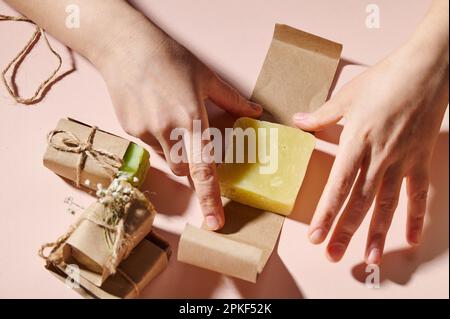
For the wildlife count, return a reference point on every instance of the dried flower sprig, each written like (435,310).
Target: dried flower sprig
(119,193)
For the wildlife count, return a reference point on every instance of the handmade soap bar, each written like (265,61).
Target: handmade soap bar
(136,163)
(272,181)
(89,156)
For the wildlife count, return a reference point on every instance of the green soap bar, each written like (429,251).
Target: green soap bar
(136,163)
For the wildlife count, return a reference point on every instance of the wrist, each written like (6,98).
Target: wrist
(423,58)
(125,38)
(432,51)
(430,40)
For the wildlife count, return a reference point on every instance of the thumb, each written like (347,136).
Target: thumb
(328,114)
(229,99)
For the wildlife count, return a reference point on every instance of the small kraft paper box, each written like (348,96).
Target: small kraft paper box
(108,247)
(296,77)
(148,259)
(90,157)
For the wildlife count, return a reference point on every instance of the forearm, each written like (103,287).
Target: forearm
(103,24)
(430,40)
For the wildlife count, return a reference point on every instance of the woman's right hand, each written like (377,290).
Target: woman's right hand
(157,85)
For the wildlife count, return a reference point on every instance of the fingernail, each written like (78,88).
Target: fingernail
(256,107)
(414,238)
(335,252)
(212,222)
(374,256)
(316,236)
(300,117)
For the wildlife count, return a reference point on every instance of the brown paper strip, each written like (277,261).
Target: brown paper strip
(297,73)
(296,77)
(145,262)
(240,249)
(65,163)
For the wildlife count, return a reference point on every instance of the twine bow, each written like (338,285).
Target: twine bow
(72,144)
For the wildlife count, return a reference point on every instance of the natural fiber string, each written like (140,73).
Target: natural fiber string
(119,242)
(72,144)
(51,257)
(17,60)
(122,240)
(57,259)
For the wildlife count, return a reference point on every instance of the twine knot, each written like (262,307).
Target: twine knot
(72,144)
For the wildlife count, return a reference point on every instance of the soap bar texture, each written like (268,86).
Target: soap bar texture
(249,184)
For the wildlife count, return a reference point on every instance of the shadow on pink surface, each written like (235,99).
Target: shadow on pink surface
(400,265)
(312,187)
(168,196)
(316,177)
(181,280)
(274,282)
(343,62)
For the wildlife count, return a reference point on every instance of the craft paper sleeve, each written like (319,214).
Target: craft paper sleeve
(145,262)
(297,73)
(88,247)
(65,163)
(296,77)
(240,249)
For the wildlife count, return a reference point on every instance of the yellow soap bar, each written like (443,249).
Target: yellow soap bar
(268,170)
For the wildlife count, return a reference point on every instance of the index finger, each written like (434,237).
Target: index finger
(203,173)
(340,181)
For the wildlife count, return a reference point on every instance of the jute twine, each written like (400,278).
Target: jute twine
(18,59)
(121,241)
(72,144)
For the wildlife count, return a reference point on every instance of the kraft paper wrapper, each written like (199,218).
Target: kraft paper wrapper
(296,77)
(297,73)
(240,249)
(146,261)
(88,248)
(65,163)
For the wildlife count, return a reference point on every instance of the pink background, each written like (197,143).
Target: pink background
(233,37)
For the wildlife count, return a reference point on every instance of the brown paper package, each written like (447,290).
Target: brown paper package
(146,261)
(65,163)
(88,248)
(296,77)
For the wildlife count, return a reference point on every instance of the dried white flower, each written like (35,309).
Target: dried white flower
(114,184)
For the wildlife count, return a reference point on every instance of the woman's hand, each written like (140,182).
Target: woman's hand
(156,85)
(393,113)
